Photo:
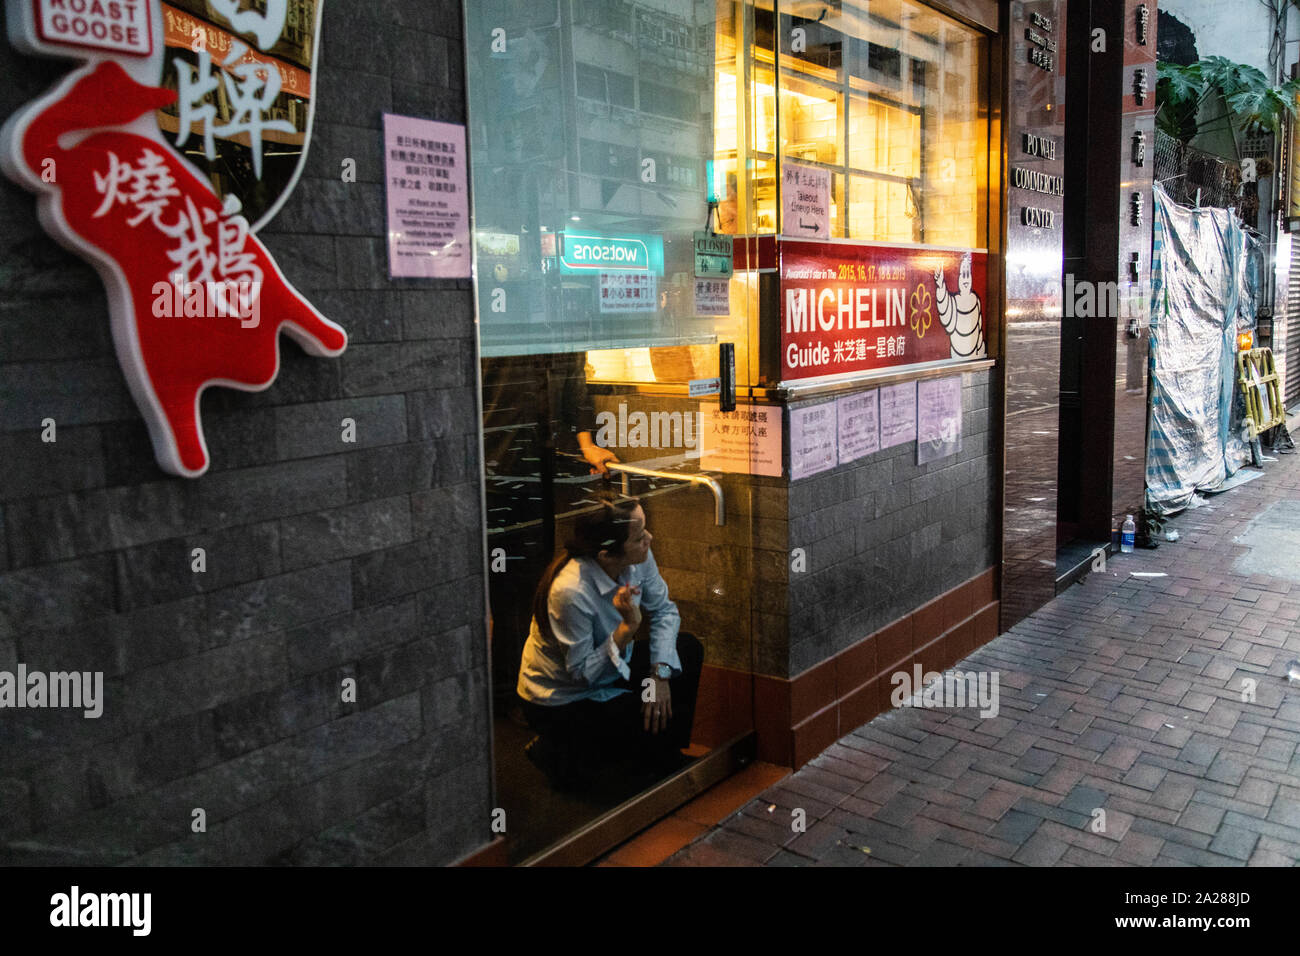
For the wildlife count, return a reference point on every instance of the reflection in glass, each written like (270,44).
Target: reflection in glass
(243,98)
(599,124)
(599,131)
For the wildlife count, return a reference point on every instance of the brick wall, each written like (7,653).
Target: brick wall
(325,560)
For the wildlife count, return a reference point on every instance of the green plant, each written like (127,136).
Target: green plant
(1253,104)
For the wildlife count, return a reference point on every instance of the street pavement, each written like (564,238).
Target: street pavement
(1162,701)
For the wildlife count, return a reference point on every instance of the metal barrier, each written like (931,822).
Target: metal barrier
(1257,375)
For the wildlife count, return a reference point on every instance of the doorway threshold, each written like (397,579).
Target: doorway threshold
(1074,561)
(683,826)
(648,807)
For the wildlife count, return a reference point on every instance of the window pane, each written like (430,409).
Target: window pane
(811,121)
(882,210)
(591,124)
(914,145)
(602,129)
(591,82)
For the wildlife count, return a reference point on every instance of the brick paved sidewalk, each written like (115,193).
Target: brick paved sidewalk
(1124,694)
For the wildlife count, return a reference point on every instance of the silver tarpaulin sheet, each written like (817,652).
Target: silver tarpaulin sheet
(1198,298)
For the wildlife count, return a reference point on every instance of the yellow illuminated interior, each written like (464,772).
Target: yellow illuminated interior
(908,160)
(887,95)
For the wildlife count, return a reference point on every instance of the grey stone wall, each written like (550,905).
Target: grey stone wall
(324,560)
(883,535)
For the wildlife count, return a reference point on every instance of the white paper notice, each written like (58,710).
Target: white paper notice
(813,434)
(938,418)
(628,292)
(806,202)
(897,414)
(859,417)
(746,441)
(712,297)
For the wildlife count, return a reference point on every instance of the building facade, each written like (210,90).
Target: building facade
(797,265)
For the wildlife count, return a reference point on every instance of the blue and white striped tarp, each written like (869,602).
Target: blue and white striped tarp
(1197,281)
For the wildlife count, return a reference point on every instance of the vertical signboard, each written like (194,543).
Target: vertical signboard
(1035,151)
(1132,334)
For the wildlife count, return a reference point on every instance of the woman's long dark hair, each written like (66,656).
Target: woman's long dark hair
(593,532)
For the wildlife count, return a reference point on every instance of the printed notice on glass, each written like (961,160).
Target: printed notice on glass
(745,442)
(628,292)
(712,297)
(813,434)
(897,414)
(859,418)
(806,201)
(938,418)
(428,199)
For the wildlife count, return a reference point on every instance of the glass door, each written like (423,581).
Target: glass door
(608,143)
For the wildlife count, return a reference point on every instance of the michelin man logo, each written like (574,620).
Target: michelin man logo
(962,314)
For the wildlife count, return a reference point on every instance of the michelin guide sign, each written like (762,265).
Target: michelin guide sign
(853,307)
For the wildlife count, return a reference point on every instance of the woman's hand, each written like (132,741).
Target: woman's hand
(658,710)
(625,606)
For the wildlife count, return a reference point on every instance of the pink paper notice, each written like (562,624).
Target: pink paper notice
(428,199)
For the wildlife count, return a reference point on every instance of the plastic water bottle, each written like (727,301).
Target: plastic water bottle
(1126,535)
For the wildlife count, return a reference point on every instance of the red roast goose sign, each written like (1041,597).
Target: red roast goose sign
(184,121)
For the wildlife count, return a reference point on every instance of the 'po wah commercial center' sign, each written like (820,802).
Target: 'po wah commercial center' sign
(854,307)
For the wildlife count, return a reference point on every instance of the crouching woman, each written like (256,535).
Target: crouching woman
(592,694)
